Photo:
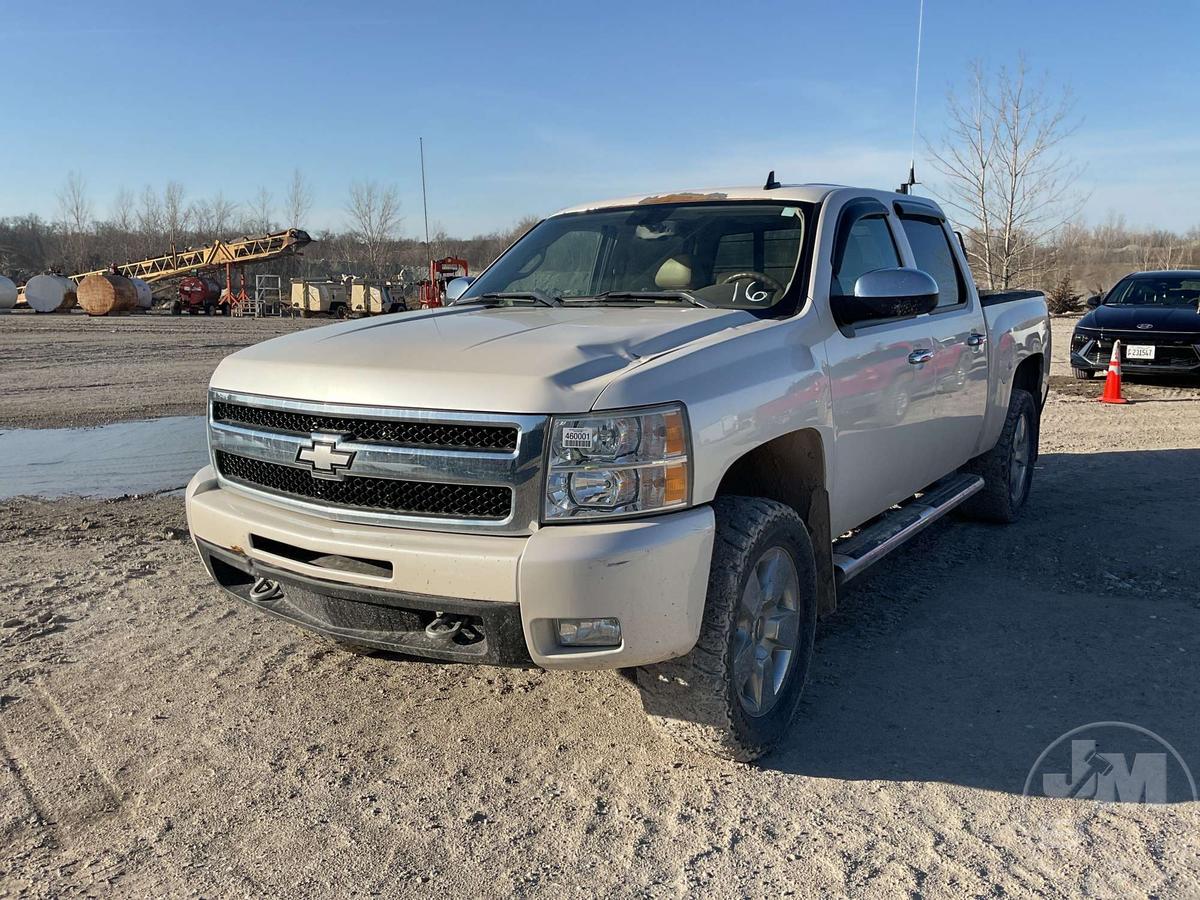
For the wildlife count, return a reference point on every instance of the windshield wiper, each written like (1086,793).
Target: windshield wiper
(679,296)
(494,299)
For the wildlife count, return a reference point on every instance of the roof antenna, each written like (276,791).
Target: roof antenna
(907,187)
(771,182)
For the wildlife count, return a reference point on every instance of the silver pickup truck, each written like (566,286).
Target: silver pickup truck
(658,434)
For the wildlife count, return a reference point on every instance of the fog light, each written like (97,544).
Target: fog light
(589,632)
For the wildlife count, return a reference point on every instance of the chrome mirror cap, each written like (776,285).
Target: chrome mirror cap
(456,287)
(893,293)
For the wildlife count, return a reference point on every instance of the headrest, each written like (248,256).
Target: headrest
(675,274)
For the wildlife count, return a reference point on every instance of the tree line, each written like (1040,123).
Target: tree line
(155,221)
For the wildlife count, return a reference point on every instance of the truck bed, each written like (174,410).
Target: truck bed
(993,298)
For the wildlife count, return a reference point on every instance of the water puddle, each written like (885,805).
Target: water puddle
(110,461)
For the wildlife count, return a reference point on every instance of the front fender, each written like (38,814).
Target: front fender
(742,390)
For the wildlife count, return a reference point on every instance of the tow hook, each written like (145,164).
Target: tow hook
(265,589)
(444,627)
(452,628)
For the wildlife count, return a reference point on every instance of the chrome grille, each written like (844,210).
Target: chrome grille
(416,498)
(441,435)
(443,470)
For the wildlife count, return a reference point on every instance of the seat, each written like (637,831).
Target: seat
(675,274)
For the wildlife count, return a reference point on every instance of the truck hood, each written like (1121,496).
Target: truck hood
(513,360)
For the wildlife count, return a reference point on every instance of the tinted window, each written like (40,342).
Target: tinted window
(1181,291)
(869,246)
(772,252)
(931,249)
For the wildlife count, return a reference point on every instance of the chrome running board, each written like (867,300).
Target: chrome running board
(854,554)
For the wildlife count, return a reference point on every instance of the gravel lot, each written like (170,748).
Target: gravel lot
(156,739)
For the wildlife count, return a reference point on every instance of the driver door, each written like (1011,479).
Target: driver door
(882,382)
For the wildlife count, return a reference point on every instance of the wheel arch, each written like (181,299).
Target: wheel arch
(1028,376)
(791,469)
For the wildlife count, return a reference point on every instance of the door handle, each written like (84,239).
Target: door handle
(917,357)
(976,339)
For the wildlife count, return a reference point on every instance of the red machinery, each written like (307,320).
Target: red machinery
(198,293)
(433,290)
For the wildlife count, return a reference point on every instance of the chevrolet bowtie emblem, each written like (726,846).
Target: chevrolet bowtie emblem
(325,458)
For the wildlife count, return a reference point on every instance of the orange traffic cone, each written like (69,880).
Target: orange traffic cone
(1112,383)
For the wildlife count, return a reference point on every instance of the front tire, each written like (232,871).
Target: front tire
(735,693)
(1083,374)
(1006,469)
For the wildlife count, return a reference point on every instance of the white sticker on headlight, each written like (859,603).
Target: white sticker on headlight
(578,438)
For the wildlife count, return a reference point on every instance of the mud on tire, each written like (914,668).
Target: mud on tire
(695,699)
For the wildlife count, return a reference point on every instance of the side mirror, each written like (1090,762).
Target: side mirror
(886,294)
(1093,301)
(456,287)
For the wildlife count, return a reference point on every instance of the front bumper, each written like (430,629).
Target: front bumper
(380,586)
(1174,358)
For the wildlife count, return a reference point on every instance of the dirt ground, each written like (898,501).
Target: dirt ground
(72,371)
(159,740)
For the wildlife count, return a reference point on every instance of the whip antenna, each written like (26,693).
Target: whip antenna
(424,200)
(912,158)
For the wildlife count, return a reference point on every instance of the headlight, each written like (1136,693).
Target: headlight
(617,464)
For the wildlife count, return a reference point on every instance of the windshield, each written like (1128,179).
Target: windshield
(727,254)
(1157,290)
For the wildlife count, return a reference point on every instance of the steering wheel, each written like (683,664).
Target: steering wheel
(757,296)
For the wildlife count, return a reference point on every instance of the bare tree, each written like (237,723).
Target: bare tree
(176,214)
(122,215)
(213,218)
(123,223)
(374,212)
(1006,175)
(261,209)
(298,202)
(75,219)
(149,212)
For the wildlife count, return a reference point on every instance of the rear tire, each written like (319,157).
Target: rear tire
(176,308)
(734,695)
(1006,469)
(1083,374)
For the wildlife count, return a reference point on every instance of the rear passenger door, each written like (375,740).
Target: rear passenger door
(959,334)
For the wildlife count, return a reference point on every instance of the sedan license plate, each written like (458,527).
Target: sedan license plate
(1139,351)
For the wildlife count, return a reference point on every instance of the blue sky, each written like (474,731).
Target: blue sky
(526,107)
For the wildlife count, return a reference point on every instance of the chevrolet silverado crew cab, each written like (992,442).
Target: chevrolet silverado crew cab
(658,434)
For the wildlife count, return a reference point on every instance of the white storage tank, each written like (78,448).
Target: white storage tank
(8,294)
(145,296)
(50,293)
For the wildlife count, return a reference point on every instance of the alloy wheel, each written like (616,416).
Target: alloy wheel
(768,631)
